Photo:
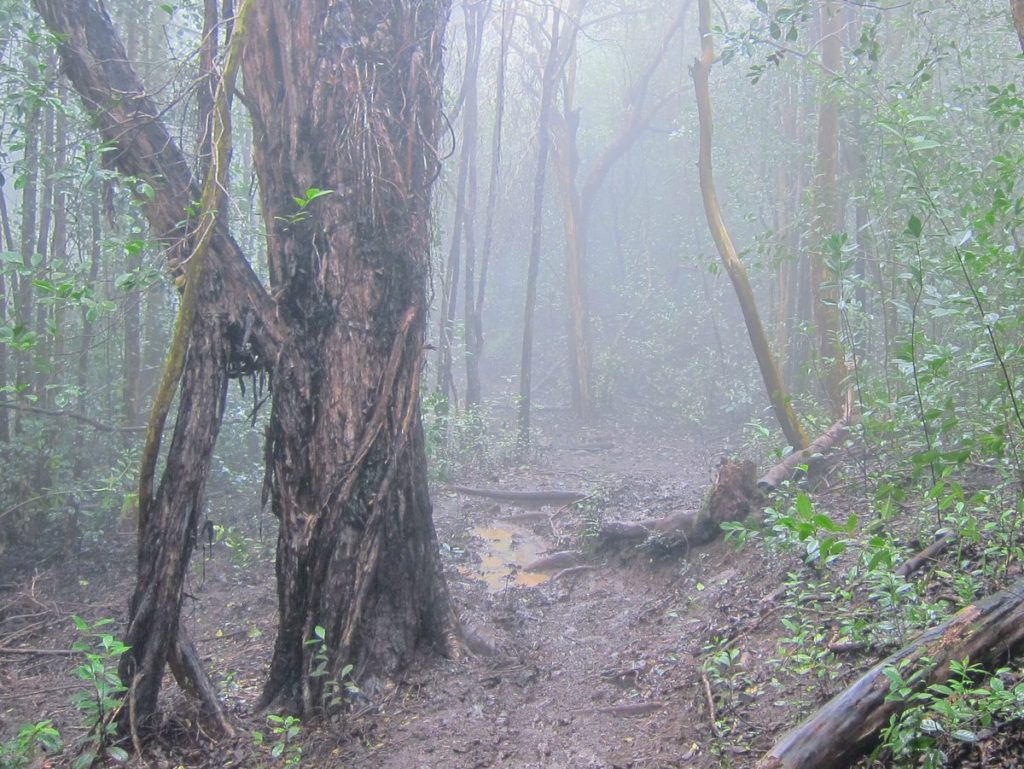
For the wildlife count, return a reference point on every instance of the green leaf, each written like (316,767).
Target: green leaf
(920,144)
(804,506)
(118,754)
(914,226)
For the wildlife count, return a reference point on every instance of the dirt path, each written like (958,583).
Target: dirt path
(595,667)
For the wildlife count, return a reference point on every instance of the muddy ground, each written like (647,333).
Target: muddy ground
(595,662)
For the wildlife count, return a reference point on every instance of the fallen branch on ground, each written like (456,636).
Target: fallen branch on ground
(736,493)
(986,633)
(912,564)
(4,650)
(732,498)
(552,498)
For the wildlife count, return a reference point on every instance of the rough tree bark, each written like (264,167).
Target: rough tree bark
(345,97)
(784,413)
(235,327)
(1017,11)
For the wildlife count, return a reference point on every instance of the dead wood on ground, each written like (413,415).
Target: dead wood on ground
(736,493)
(987,633)
(814,457)
(527,499)
(915,562)
(732,498)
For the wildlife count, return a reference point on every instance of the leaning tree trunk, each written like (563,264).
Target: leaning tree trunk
(346,102)
(240,334)
(167,536)
(780,401)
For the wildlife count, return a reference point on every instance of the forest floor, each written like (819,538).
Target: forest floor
(614,659)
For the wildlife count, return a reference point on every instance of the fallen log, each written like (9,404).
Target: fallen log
(813,456)
(986,633)
(733,497)
(528,499)
(912,564)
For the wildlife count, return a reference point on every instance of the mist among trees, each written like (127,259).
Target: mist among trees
(357,314)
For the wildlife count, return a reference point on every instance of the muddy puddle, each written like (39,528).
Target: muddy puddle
(507,549)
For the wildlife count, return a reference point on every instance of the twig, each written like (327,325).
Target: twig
(915,562)
(710,700)
(41,652)
(36,692)
(73,416)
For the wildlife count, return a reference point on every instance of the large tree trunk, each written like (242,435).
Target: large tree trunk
(346,97)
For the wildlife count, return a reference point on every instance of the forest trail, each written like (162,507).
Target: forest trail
(597,666)
(594,663)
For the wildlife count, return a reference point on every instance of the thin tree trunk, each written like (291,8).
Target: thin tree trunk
(241,330)
(9,245)
(474,315)
(777,395)
(477,12)
(87,333)
(537,229)
(578,200)
(1017,10)
(827,217)
(28,233)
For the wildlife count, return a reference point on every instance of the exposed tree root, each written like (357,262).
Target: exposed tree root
(733,497)
(736,493)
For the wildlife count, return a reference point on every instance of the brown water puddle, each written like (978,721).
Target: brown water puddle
(507,549)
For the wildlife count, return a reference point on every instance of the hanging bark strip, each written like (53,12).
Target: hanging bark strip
(777,394)
(986,633)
